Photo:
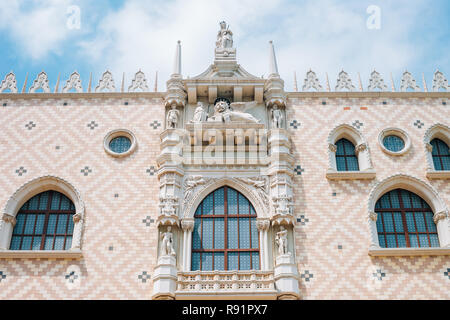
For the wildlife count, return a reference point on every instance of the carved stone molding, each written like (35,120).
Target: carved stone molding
(361,147)
(408,82)
(260,184)
(373,216)
(439,81)
(439,216)
(106,83)
(9,219)
(376,82)
(282,204)
(332,147)
(187,225)
(76,218)
(168,205)
(190,184)
(262,224)
(344,82)
(74,82)
(139,82)
(9,83)
(311,82)
(40,82)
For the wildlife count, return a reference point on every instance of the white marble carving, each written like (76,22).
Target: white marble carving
(167,243)
(10,83)
(223,112)
(172,117)
(311,82)
(408,82)
(344,82)
(260,185)
(139,82)
(40,82)
(190,184)
(282,242)
(282,204)
(439,81)
(277,117)
(106,83)
(224,37)
(199,114)
(168,206)
(376,82)
(74,82)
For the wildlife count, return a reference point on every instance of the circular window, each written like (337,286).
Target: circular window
(119,143)
(394,141)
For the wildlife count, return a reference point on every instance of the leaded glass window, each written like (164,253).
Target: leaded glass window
(120,144)
(405,220)
(441,155)
(225,236)
(394,143)
(45,222)
(346,159)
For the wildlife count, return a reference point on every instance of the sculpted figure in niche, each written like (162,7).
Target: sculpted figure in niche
(172,117)
(277,117)
(223,113)
(167,243)
(199,114)
(281,241)
(224,37)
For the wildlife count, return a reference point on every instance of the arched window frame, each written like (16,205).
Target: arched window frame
(262,223)
(345,131)
(21,196)
(437,131)
(429,195)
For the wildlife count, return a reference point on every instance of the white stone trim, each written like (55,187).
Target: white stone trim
(32,188)
(40,254)
(423,190)
(362,149)
(440,131)
(405,252)
(394,132)
(119,133)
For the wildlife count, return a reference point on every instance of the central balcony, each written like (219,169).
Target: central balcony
(251,284)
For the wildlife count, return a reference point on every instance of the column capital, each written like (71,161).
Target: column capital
(9,219)
(373,216)
(187,224)
(262,224)
(440,216)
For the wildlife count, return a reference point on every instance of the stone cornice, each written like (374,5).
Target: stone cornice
(84,95)
(291,95)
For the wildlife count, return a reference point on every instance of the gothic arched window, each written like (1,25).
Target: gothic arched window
(405,220)
(440,154)
(346,159)
(225,234)
(44,222)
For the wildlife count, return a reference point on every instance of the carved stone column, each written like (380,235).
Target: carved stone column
(372,218)
(77,230)
(442,221)
(7,223)
(188,226)
(263,227)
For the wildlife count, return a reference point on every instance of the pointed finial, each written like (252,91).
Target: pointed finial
(295,82)
(392,83)
(425,88)
(177,62)
(273,67)
(156,81)
(25,84)
(328,83)
(90,83)
(57,83)
(360,82)
(123,83)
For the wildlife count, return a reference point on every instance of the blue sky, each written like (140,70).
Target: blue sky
(125,36)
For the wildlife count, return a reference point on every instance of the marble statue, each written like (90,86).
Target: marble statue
(167,243)
(199,114)
(223,113)
(281,241)
(172,117)
(277,117)
(224,37)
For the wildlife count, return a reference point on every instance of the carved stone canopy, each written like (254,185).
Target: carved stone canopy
(10,83)
(41,82)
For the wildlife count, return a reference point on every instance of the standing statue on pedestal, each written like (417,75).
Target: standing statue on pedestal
(224,37)
(172,117)
(199,114)
(277,117)
(281,241)
(167,243)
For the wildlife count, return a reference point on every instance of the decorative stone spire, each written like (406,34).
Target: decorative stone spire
(273,67)
(177,61)
(156,81)
(57,83)
(425,87)
(392,83)
(295,82)
(328,83)
(25,83)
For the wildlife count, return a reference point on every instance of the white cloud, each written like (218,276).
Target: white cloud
(37,27)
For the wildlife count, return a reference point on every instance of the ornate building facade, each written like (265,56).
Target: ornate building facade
(225,187)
